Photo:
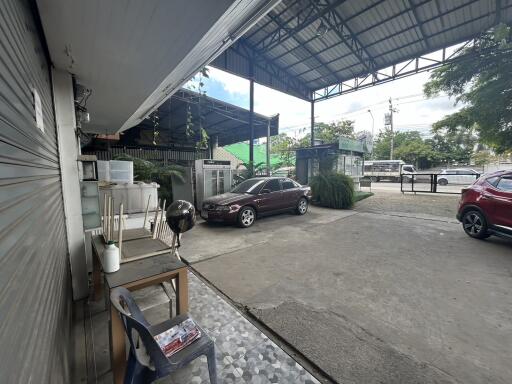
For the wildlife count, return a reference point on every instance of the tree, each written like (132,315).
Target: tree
(482,82)
(482,158)
(329,133)
(382,144)
(445,147)
(284,146)
(305,141)
(453,147)
(416,152)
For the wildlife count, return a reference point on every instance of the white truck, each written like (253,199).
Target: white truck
(377,170)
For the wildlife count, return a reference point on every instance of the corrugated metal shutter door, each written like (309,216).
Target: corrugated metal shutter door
(35,305)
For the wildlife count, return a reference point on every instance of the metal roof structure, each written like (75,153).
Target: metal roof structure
(317,49)
(228,122)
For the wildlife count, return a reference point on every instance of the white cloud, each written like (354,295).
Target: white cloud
(293,113)
(414,111)
(232,84)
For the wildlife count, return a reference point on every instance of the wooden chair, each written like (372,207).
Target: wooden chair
(114,224)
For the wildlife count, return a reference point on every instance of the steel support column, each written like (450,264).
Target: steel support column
(268,148)
(312,121)
(251,116)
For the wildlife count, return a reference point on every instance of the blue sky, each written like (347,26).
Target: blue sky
(414,111)
(216,88)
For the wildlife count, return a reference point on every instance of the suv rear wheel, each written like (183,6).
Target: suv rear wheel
(474,224)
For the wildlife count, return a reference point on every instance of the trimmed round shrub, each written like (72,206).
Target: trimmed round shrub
(333,190)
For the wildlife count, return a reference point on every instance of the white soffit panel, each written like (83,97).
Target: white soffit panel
(233,24)
(133,54)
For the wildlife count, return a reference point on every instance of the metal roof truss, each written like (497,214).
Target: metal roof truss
(396,71)
(369,42)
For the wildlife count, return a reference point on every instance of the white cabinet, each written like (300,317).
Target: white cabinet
(89,195)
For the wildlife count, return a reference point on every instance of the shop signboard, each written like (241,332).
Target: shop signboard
(348,144)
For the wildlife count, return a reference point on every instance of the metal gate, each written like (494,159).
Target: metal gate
(436,183)
(35,292)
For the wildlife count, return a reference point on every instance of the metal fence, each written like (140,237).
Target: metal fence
(436,183)
(162,155)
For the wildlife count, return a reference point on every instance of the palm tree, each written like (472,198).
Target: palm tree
(148,171)
(251,170)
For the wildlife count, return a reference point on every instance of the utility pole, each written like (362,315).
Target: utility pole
(373,126)
(391,110)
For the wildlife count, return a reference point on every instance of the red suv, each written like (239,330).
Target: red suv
(485,207)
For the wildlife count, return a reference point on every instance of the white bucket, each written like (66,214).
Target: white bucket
(110,258)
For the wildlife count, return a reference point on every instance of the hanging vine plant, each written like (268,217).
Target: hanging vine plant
(191,130)
(155,118)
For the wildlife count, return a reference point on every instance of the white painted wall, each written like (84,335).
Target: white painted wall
(68,154)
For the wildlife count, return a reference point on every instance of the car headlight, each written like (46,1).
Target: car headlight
(222,208)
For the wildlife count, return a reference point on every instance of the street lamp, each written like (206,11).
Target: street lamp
(373,126)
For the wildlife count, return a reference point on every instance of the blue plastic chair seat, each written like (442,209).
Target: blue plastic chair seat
(146,361)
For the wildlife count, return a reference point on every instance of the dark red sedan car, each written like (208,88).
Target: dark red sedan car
(485,207)
(257,197)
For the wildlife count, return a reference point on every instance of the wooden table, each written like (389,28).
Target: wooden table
(135,275)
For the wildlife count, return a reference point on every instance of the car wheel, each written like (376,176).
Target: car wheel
(374,179)
(442,182)
(246,217)
(474,224)
(302,206)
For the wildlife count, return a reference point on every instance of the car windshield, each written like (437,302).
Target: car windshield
(249,186)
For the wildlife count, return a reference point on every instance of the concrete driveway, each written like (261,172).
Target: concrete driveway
(379,295)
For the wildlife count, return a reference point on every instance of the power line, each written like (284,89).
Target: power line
(363,110)
(417,101)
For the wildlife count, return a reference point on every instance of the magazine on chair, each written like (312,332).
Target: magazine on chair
(178,337)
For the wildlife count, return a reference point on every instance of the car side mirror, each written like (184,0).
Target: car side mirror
(264,191)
